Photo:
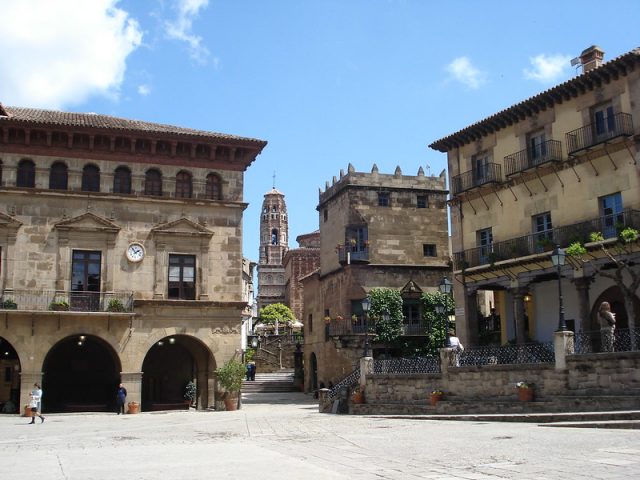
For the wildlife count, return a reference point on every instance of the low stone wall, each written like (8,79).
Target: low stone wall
(595,374)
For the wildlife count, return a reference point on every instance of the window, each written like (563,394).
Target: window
(612,216)
(85,280)
(58,176)
(183,185)
(90,179)
(383,199)
(274,237)
(537,147)
(213,189)
(26,175)
(543,230)
(484,239)
(480,169)
(429,250)
(604,121)
(310,322)
(182,277)
(153,183)
(411,321)
(325,214)
(357,239)
(421,201)
(122,180)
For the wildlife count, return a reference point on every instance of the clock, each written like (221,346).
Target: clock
(135,252)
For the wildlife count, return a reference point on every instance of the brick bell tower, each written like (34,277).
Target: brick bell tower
(274,237)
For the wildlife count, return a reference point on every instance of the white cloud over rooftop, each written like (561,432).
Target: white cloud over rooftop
(547,68)
(462,70)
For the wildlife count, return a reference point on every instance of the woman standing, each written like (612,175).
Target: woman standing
(121,398)
(607,321)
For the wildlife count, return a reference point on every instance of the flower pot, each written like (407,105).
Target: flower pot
(230,404)
(357,397)
(435,398)
(133,407)
(525,394)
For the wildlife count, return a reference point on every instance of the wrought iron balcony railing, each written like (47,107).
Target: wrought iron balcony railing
(41,300)
(348,253)
(487,173)
(546,152)
(608,225)
(614,126)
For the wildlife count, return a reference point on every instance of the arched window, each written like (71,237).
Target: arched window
(26,175)
(90,178)
(183,185)
(213,187)
(122,180)
(58,176)
(274,237)
(153,183)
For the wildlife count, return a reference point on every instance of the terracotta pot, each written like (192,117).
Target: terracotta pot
(525,394)
(357,397)
(435,398)
(133,408)
(230,404)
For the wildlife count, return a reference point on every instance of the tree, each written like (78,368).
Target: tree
(625,273)
(437,323)
(276,311)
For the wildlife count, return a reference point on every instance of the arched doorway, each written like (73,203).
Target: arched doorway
(167,368)
(616,300)
(81,374)
(314,372)
(10,378)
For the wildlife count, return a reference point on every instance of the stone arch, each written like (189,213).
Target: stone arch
(80,373)
(11,370)
(613,295)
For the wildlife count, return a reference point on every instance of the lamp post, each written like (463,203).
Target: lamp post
(558,258)
(366,304)
(445,287)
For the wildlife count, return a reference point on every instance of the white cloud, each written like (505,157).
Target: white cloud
(144,90)
(463,71)
(180,27)
(57,53)
(547,68)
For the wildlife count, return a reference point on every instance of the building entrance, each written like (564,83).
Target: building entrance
(9,378)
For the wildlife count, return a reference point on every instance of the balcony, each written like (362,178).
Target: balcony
(352,254)
(546,152)
(608,225)
(615,126)
(52,300)
(339,328)
(488,173)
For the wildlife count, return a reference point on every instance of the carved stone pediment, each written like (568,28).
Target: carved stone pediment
(8,222)
(411,290)
(88,222)
(183,227)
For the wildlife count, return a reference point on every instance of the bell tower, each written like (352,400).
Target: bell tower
(274,238)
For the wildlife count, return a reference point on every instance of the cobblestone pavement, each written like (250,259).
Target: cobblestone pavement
(288,439)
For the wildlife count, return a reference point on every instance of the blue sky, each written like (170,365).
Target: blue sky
(326,83)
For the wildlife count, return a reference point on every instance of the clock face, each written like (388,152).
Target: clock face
(135,252)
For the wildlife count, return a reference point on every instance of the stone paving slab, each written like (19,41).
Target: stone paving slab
(282,436)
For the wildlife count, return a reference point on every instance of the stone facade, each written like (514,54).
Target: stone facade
(376,230)
(298,263)
(98,209)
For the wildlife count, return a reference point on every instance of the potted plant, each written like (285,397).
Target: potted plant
(115,305)
(230,377)
(190,393)
(59,305)
(327,320)
(525,391)
(357,394)
(8,304)
(436,396)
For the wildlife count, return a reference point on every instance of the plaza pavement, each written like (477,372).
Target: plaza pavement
(282,436)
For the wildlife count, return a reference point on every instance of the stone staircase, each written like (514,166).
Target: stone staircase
(276,382)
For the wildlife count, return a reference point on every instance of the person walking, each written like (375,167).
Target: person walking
(121,398)
(456,345)
(36,403)
(607,321)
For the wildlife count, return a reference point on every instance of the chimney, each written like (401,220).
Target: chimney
(591,58)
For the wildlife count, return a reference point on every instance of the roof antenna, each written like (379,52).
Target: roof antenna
(274,179)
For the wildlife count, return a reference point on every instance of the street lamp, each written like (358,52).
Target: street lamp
(558,258)
(366,304)
(445,287)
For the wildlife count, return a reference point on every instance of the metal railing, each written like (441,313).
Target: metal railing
(546,152)
(622,340)
(40,300)
(347,253)
(403,366)
(609,225)
(347,382)
(488,173)
(618,125)
(508,354)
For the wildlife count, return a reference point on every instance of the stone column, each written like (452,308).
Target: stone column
(27,379)
(132,381)
(562,346)
(468,331)
(447,359)
(160,269)
(366,369)
(204,269)
(517,295)
(582,283)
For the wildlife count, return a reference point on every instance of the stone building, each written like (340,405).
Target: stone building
(121,257)
(376,230)
(274,241)
(299,262)
(547,171)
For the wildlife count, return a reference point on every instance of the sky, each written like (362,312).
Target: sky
(327,83)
